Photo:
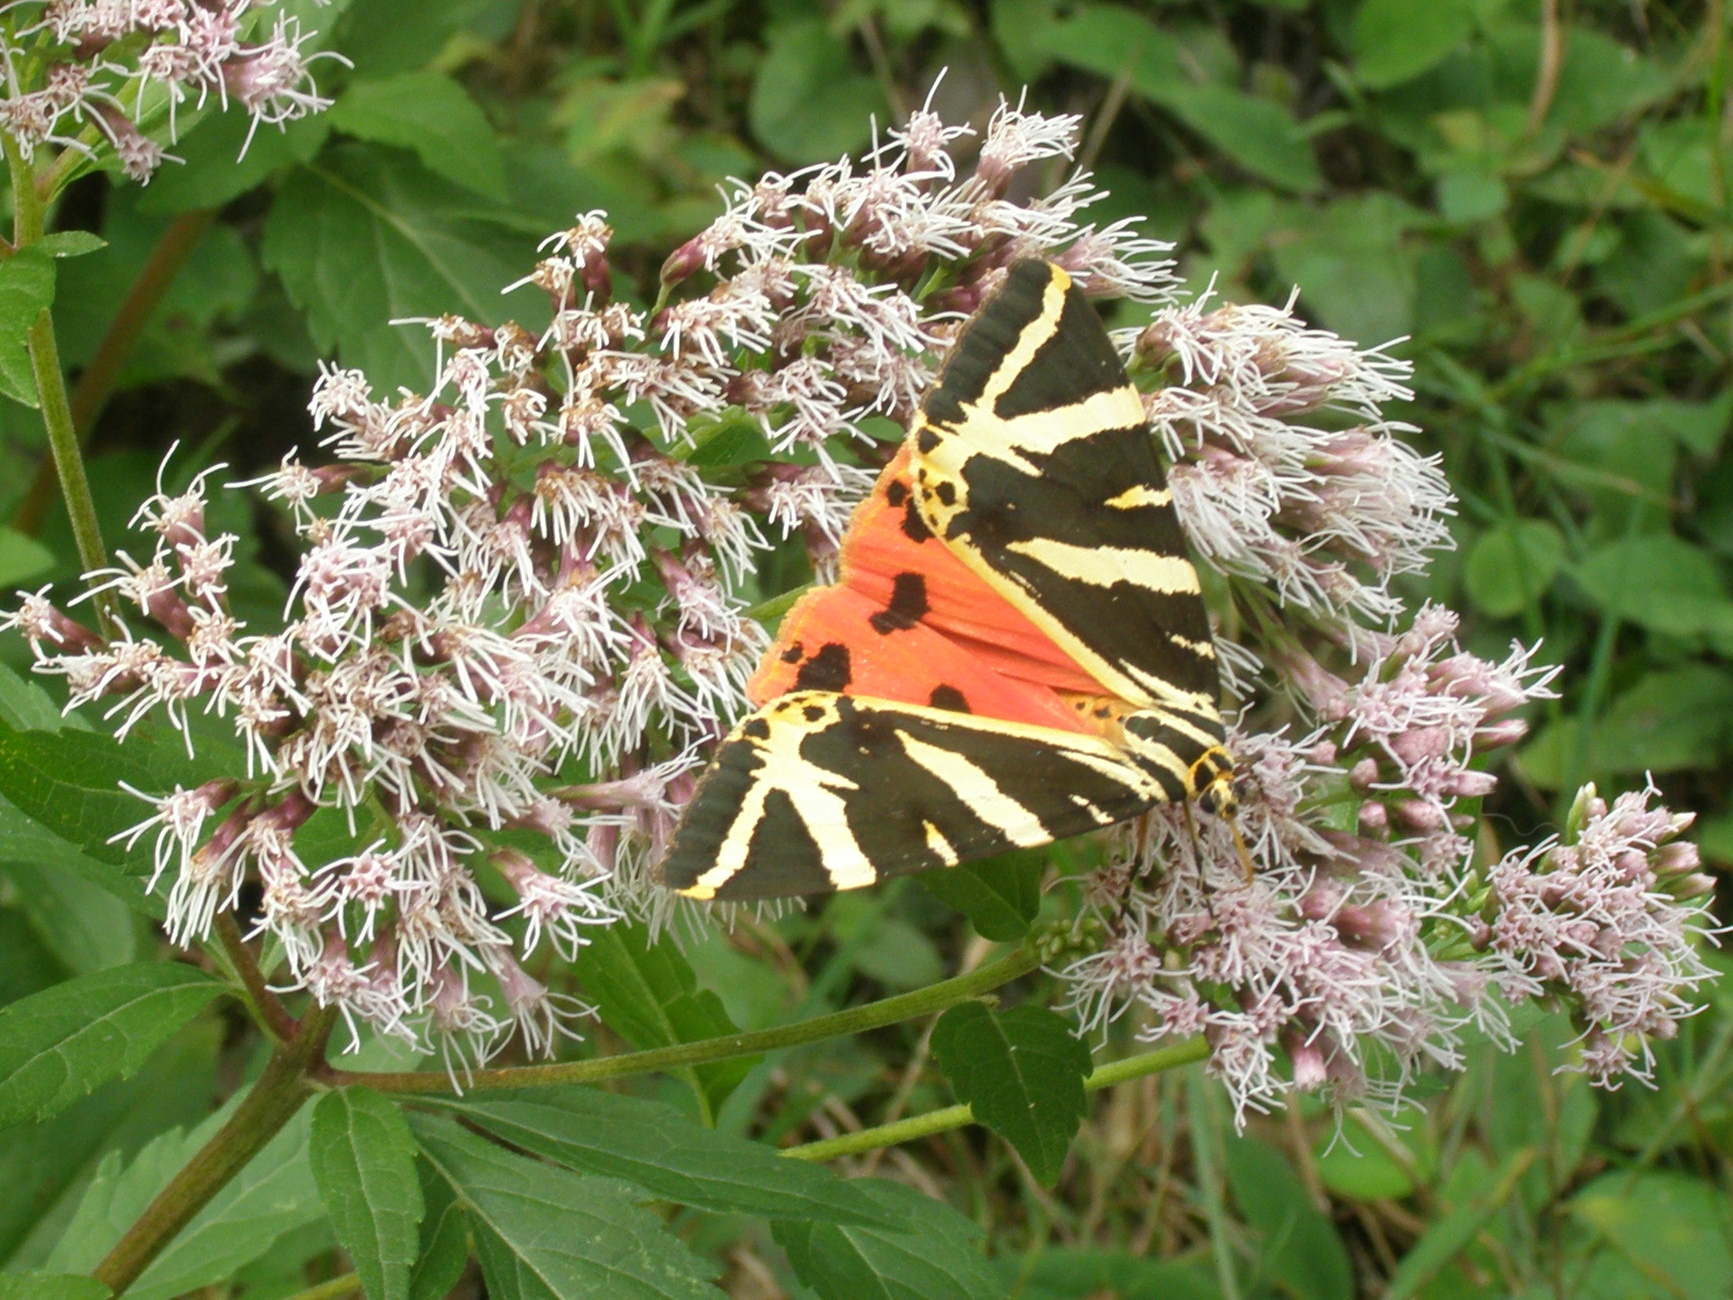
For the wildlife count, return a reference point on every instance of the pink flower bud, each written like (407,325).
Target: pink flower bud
(1311,1070)
(1470,784)
(1506,731)
(1677,858)
(683,261)
(1420,815)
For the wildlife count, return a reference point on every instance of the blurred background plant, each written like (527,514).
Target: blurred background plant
(1537,197)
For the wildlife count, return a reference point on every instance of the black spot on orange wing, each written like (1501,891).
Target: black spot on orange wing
(908,605)
(914,527)
(793,654)
(828,670)
(949,697)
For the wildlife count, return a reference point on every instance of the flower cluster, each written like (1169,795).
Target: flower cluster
(519,619)
(1330,951)
(1603,921)
(69,63)
(1283,467)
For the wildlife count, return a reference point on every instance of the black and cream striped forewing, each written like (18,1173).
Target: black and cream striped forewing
(818,791)
(1033,461)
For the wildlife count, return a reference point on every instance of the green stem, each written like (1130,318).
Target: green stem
(27,223)
(270,1013)
(839,1024)
(96,380)
(951,1117)
(272,1103)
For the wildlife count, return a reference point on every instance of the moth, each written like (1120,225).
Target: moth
(1016,648)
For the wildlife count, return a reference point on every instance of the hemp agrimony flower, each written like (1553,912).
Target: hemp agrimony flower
(95,75)
(520,618)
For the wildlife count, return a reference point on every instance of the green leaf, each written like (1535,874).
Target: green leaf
(274,1194)
(733,440)
(1113,41)
(934,1254)
(1255,133)
(1601,81)
(26,289)
(1022,1072)
(1299,1248)
(25,706)
(363,1160)
(1368,1165)
(22,557)
(999,895)
(1348,259)
(46,1167)
(27,841)
(1681,156)
(27,964)
(36,1285)
(648,995)
(68,781)
(656,1148)
(432,115)
(217,171)
(1511,565)
(1612,459)
(543,1231)
(71,243)
(398,35)
(1670,720)
(1675,1225)
(883,947)
(1447,1236)
(366,236)
(1660,582)
(1469,194)
(83,924)
(1700,427)
(216,281)
(807,99)
(1394,40)
(443,1251)
(55,1046)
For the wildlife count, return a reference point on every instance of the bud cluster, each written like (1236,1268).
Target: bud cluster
(84,74)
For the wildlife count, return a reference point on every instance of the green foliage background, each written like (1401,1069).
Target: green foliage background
(1535,195)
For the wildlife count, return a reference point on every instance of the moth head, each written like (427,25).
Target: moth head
(1212,782)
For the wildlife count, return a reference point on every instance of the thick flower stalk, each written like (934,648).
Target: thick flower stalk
(521,618)
(108,76)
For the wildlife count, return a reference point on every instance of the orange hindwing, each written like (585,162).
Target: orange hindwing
(907,621)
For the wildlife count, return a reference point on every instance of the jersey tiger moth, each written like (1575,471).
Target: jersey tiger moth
(1015,650)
